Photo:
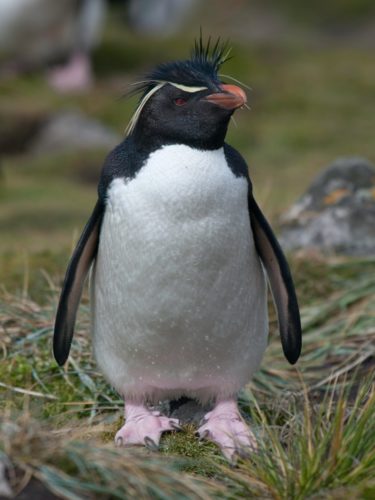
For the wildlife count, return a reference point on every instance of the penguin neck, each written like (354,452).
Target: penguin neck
(147,143)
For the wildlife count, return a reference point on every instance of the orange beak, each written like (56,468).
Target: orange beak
(231,97)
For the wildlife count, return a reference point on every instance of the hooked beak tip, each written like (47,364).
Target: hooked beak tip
(231,97)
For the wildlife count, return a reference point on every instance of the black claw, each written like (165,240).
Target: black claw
(204,435)
(175,427)
(150,444)
(119,441)
(242,453)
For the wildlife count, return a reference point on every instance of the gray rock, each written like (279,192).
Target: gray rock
(72,130)
(161,18)
(5,489)
(188,411)
(337,213)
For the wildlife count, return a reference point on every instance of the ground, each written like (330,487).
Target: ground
(309,105)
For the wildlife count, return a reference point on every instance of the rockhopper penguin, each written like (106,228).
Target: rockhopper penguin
(179,247)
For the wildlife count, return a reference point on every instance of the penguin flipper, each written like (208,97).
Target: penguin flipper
(281,282)
(76,273)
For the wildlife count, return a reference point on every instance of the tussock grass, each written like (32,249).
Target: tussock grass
(315,423)
(76,470)
(312,448)
(338,334)
(307,449)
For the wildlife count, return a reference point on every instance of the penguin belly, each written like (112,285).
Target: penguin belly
(178,291)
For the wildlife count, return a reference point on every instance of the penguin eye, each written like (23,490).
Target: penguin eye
(180,101)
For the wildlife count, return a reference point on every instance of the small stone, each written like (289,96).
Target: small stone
(186,410)
(189,411)
(337,212)
(5,490)
(72,130)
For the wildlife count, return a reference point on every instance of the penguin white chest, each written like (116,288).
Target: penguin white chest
(178,292)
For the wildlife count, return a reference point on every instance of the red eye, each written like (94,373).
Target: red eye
(180,101)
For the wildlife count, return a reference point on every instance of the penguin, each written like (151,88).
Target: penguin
(180,254)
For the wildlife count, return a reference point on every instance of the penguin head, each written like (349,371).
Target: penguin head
(185,102)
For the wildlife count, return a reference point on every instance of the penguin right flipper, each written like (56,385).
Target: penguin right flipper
(280,280)
(79,266)
(275,264)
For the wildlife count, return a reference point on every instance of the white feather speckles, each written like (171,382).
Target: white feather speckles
(179,302)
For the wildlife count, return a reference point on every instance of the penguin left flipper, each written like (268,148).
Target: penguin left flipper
(78,268)
(280,280)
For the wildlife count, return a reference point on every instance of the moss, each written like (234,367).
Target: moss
(199,456)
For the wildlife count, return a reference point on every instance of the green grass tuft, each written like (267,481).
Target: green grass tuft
(319,448)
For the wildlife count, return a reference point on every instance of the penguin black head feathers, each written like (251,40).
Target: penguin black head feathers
(201,70)
(185,101)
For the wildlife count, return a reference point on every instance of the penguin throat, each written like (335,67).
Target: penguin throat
(145,141)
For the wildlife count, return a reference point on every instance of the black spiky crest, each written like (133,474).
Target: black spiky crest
(200,70)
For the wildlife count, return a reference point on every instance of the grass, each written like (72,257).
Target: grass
(76,470)
(320,449)
(314,424)
(309,450)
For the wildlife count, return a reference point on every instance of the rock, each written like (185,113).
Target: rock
(161,18)
(187,410)
(337,213)
(5,489)
(71,130)
(35,490)
(18,128)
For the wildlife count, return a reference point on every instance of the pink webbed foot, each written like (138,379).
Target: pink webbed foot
(225,427)
(143,427)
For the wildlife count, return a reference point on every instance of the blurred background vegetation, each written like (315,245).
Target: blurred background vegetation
(311,70)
